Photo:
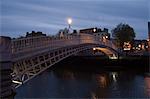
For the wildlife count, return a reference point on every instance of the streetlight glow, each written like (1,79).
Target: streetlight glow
(69,21)
(106,37)
(94,30)
(94,49)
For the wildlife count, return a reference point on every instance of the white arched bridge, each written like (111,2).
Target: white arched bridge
(33,55)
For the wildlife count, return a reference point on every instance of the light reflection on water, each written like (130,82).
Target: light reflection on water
(147,87)
(68,83)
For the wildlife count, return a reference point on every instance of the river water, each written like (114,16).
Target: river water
(64,82)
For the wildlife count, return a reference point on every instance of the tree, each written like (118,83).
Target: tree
(123,33)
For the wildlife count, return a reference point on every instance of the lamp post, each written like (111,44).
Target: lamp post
(69,22)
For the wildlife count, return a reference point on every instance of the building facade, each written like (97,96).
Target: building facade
(33,34)
(97,32)
(149,35)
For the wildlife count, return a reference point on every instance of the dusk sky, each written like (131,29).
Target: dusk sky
(48,16)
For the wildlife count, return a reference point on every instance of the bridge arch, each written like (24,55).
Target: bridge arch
(111,53)
(27,68)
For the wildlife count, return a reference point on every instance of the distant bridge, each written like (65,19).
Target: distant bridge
(33,55)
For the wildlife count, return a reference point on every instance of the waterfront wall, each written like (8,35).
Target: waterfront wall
(135,63)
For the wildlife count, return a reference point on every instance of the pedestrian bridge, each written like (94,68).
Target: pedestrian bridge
(33,55)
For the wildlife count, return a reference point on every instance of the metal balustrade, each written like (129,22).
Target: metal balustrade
(32,43)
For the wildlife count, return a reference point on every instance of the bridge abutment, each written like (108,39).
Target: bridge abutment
(7,90)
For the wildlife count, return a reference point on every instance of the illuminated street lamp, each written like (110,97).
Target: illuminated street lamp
(106,37)
(94,30)
(94,49)
(69,22)
(139,45)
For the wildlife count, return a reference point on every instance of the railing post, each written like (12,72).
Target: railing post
(7,90)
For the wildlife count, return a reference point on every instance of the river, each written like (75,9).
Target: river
(61,81)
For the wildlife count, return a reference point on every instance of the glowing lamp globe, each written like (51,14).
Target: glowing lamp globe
(69,21)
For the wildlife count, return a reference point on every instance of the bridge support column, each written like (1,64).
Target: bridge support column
(7,90)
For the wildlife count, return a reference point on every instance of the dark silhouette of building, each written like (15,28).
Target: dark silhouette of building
(149,35)
(105,30)
(90,30)
(97,32)
(33,33)
(140,45)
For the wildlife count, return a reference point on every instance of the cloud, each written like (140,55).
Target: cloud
(19,16)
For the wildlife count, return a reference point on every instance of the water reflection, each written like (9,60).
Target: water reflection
(114,76)
(147,85)
(101,80)
(67,75)
(106,85)
(71,83)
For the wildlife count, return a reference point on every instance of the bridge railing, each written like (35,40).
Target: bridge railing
(42,42)
(25,46)
(32,43)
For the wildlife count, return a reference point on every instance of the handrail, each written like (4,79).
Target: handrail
(38,43)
